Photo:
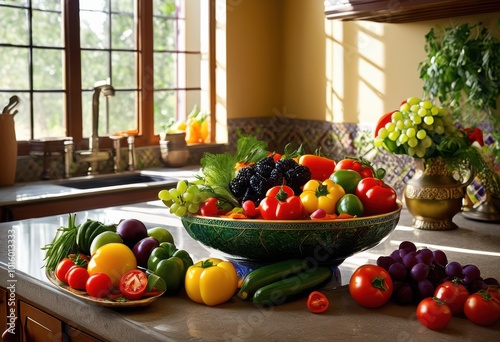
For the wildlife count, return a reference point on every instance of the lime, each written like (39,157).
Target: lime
(161,234)
(103,239)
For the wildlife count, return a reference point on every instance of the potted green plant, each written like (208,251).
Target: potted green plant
(462,71)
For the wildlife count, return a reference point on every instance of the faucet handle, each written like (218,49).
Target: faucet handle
(131,152)
(68,157)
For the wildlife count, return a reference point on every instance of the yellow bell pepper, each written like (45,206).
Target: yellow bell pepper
(321,195)
(211,281)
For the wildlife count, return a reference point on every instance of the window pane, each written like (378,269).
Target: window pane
(47,29)
(163,34)
(48,69)
(122,109)
(165,109)
(94,68)
(48,115)
(95,5)
(164,7)
(94,30)
(14,71)
(123,32)
(52,5)
(192,71)
(127,6)
(124,70)
(14,26)
(165,70)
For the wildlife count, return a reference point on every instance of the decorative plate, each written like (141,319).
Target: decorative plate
(99,301)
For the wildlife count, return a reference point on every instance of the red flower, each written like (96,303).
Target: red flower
(475,134)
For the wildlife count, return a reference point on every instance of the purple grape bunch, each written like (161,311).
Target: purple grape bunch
(417,272)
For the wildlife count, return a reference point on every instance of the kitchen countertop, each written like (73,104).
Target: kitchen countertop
(178,318)
(53,189)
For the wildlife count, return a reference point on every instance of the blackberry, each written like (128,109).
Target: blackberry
(297,176)
(250,195)
(283,165)
(241,182)
(276,177)
(260,185)
(265,166)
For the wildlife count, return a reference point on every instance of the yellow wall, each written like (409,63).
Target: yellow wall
(284,58)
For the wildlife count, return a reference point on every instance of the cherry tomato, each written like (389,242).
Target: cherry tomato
(249,208)
(133,284)
(454,294)
(371,286)
(99,285)
(482,308)
(62,268)
(77,277)
(433,313)
(317,302)
(209,207)
(376,196)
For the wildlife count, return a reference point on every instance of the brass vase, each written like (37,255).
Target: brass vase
(433,196)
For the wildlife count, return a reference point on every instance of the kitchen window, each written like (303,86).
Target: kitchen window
(153,52)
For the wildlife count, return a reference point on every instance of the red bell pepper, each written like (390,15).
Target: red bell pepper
(361,166)
(376,196)
(281,203)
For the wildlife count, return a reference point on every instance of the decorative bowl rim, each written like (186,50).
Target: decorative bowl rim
(302,221)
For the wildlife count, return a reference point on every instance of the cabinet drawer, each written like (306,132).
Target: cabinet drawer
(38,326)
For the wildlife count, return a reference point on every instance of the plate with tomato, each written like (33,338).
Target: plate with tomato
(112,300)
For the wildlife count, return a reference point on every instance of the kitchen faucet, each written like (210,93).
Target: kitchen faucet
(93,155)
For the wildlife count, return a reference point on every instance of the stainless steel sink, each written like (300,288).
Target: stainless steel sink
(120,179)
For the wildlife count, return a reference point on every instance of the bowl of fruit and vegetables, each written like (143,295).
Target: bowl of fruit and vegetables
(256,206)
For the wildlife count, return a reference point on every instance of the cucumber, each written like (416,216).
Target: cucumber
(80,235)
(268,274)
(92,227)
(279,292)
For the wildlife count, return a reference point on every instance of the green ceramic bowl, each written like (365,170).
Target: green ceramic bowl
(260,241)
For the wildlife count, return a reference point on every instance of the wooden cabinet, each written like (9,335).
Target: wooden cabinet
(391,11)
(36,325)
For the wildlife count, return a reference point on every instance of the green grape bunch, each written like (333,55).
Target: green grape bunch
(417,129)
(185,198)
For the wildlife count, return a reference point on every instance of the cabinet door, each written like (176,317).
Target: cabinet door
(38,326)
(75,335)
(3,310)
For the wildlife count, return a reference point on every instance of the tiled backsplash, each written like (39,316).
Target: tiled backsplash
(336,141)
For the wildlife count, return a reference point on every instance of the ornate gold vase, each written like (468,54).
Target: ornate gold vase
(433,196)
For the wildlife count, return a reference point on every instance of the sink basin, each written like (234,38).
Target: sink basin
(129,179)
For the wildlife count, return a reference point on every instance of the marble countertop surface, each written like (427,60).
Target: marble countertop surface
(177,318)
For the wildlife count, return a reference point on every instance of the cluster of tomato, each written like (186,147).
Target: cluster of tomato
(371,286)
(75,271)
(349,188)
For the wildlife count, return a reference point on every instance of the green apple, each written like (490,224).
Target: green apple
(161,234)
(103,239)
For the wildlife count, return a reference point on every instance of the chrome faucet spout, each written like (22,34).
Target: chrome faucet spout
(107,90)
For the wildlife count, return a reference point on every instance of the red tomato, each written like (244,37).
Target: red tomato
(209,207)
(433,313)
(482,308)
(99,285)
(133,284)
(317,302)
(376,196)
(77,277)
(454,294)
(249,208)
(280,203)
(62,268)
(80,259)
(371,286)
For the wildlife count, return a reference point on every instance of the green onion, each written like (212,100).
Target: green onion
(63,244)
